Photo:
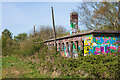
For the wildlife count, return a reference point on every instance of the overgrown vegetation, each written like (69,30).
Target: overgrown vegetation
(99,66)
(47,64)
(28,57)
(25,45)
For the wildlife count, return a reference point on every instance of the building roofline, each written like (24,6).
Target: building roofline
(85,33)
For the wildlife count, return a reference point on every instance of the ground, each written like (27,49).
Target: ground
(14,67)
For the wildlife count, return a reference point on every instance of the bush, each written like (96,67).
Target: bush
(28,47)
(98,66)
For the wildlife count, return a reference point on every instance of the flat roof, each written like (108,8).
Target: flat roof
(86,33)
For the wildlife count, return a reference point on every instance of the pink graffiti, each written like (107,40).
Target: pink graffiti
(88,43)
(105,39)
(111,47)
(97,53)
(109,38)
(119,49)
(97,49)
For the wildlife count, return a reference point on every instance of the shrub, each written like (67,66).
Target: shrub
(99,66)
(28,47)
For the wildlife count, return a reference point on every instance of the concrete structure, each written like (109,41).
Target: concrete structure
(73,23)
(94,42)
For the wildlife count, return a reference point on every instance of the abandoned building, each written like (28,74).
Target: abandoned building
(94,42)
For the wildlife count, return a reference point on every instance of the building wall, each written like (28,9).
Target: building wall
(88,44)
(105,43)
(65,46)
(95,44)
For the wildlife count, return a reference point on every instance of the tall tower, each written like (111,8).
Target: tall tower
(73,22)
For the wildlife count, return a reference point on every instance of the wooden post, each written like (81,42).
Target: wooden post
(54,30)
(119,12)
(34,31)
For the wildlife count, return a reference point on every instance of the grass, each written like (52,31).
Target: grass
(37,66)
(14,67)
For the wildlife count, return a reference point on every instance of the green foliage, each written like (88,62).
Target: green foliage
(7,33)
(54,65)
(98,66)
(13,67)
(7,44)
(20,37)
(20,45)
(7,62)
(28,47)
(0,45)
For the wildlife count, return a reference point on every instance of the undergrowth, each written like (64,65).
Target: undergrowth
(91,66)
(51,64)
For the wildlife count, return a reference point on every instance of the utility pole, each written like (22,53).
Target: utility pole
(118,15)
(34,31)
(54,30)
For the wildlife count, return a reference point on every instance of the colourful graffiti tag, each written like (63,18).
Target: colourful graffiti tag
(88,39)
(100,44)
(96,44)
(105,44)
(73,28)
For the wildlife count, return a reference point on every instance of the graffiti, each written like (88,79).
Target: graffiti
(92,43)
(100,44)
(79,48)
(86,50)
(88,46)
(119,49)
(75,53)
(105,44)
(95,44)
(73,23)
(74,28)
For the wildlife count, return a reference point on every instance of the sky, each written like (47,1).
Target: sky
(20,17)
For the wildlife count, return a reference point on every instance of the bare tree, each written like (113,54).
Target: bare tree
(99,15)
(46,32)
(60,31)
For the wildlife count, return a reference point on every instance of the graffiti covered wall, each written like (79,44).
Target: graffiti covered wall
(95,44)
(64,46)
(101,43)
(88,46)
(105,43)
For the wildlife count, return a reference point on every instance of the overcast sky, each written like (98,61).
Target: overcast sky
(20,17)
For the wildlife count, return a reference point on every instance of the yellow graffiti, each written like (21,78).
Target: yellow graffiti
(87,43)
(86,49)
